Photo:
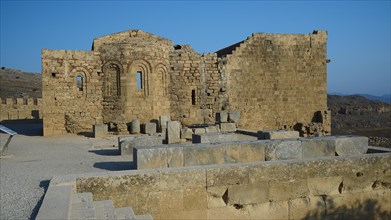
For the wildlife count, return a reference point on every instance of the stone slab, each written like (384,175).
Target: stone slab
(227,127)
(221,117)
(214,138)
(277,134)
(135,126)
(150,157)
(212,129)
(234,117)
(100,131)
(126,144)
(316,147)
(148,128)
(173,132)
(348,145)
(186,133)
(205,155)
(283,150)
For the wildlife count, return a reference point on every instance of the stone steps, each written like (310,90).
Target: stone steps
(83,207)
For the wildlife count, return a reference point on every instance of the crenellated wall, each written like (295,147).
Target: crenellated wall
(20,108)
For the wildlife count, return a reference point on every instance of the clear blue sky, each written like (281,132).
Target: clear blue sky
(358,45)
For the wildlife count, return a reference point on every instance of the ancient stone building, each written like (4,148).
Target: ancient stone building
(274,80)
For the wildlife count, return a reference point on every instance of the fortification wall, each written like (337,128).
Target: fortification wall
(71,105)
(342,187)
(277,80)
(20,108)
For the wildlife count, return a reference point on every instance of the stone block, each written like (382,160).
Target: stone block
(182,179)
(228,212)
(316,147)
(148,128)
(283,150)
(227,127)
(248,194)
(100,131)
(195,199)
(269,210)
(325,186)
(203,155)
(277,134)
(215,197)
(245,152)
(135,126)
(348,145)
(234,117)
(211,129)
(126,144)
(174,156)
(214,137)
(173,132)
(284,190)
(227,175)
(150,157)
(163,119)
(199,130)
(186,133)
(221,117)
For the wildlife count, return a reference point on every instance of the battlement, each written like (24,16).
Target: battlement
(20,108)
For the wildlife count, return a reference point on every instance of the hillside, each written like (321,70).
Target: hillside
(19,84)
(358,115)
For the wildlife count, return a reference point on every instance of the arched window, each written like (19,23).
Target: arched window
(79,82)
(139,80)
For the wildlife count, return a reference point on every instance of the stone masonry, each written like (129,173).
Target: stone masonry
(275,81)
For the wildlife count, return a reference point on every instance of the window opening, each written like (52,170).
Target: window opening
(79,83)
(193,97)
(139,80)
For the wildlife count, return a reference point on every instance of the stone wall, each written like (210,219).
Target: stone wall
(179,155)
(276,80)
(20,108)
(69,106)
(344,187)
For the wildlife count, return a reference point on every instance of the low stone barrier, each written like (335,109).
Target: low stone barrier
(349,187)
(126,144)
(277,134)
(177,155)
(214,137)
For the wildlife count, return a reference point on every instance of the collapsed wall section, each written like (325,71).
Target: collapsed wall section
(277,81)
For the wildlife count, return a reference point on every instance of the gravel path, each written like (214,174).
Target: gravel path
(33,160)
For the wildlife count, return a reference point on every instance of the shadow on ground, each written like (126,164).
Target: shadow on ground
(106,152)
(45,185)
(115,166)
(28,127)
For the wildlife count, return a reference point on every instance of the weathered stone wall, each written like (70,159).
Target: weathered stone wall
(178,155)
(353,187)
(67,106)
(195,86)
(19,108)
(123,56)
(276,80)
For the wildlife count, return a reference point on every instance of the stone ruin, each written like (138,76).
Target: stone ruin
(275,81)
(193,110)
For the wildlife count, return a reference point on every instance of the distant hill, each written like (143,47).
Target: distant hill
(18,84)
(384,98)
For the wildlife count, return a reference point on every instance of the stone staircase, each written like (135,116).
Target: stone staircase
(83,207)
(62,202)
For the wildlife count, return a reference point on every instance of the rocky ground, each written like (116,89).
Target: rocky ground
(32,160)
(356,115)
